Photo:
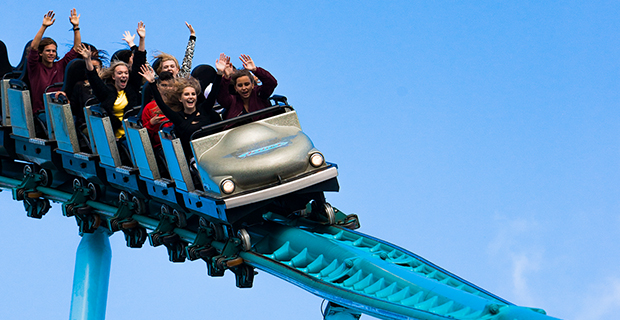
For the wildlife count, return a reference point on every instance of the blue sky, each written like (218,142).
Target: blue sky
(484,136)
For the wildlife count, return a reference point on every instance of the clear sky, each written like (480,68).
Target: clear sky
(482,135)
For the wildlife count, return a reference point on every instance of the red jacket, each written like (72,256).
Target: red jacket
(147,114)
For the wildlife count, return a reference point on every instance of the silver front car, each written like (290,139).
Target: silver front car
(264,159)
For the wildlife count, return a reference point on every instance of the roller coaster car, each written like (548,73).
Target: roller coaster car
(243,162)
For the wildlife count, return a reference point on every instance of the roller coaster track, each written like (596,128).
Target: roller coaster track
(354,271)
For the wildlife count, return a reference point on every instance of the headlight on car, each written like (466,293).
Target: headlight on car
(227,186)
(316,159)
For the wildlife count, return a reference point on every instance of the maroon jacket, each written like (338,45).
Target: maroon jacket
(41,77)
(259,98)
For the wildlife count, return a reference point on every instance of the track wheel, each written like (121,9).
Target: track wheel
(139,204)
(76,183)
(47,178)
(164,210)
(329,213)
(45,206)
(218,232)
(245,239)
(201,222)
(29,168)
(180,218)
(124,196)
(94,190)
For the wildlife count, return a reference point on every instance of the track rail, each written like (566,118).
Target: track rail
(349,268)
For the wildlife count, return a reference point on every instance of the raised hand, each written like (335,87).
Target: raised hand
(74,18)
(127,37)
(141,29)
(248,63)
(84,51)
(191,29)
(48,18)
(222,63)
(230,69)
(148,73)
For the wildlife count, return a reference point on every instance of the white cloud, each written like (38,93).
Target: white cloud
(515,245)
(522,265)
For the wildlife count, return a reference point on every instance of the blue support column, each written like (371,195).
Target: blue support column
(91,276)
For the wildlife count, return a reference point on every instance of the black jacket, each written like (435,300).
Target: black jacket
(107,94)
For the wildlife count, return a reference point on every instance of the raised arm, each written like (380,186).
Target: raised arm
(149,75)
(74,18)
(269,83)
(48,20)
(186,66)
(223,66)
(84,51)
(127,37)
(99,87)
(139,58)
(141,31)
(248,63)
(224,69)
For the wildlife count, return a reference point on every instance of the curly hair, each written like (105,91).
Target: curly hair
(174,96)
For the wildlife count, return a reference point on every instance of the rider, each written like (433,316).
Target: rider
(248,95)
(42,67)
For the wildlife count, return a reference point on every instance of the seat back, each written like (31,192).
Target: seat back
(121,55)
(102,137)
(175,157)
(90,102)
(61,124)
(146,98)
(6,113)
(20,109)
(5,64)
(141,149)
(205,74)
(75,72)
(47,98)
(156,64)
(24,60)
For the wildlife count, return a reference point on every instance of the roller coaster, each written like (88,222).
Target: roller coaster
(253,200)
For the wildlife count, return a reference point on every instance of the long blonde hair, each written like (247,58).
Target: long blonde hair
(106,73)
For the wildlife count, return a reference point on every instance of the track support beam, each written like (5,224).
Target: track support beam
(91,276)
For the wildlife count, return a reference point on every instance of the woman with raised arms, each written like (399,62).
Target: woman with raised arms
(184,96)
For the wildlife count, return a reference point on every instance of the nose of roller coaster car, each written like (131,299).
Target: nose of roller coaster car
(260,160)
